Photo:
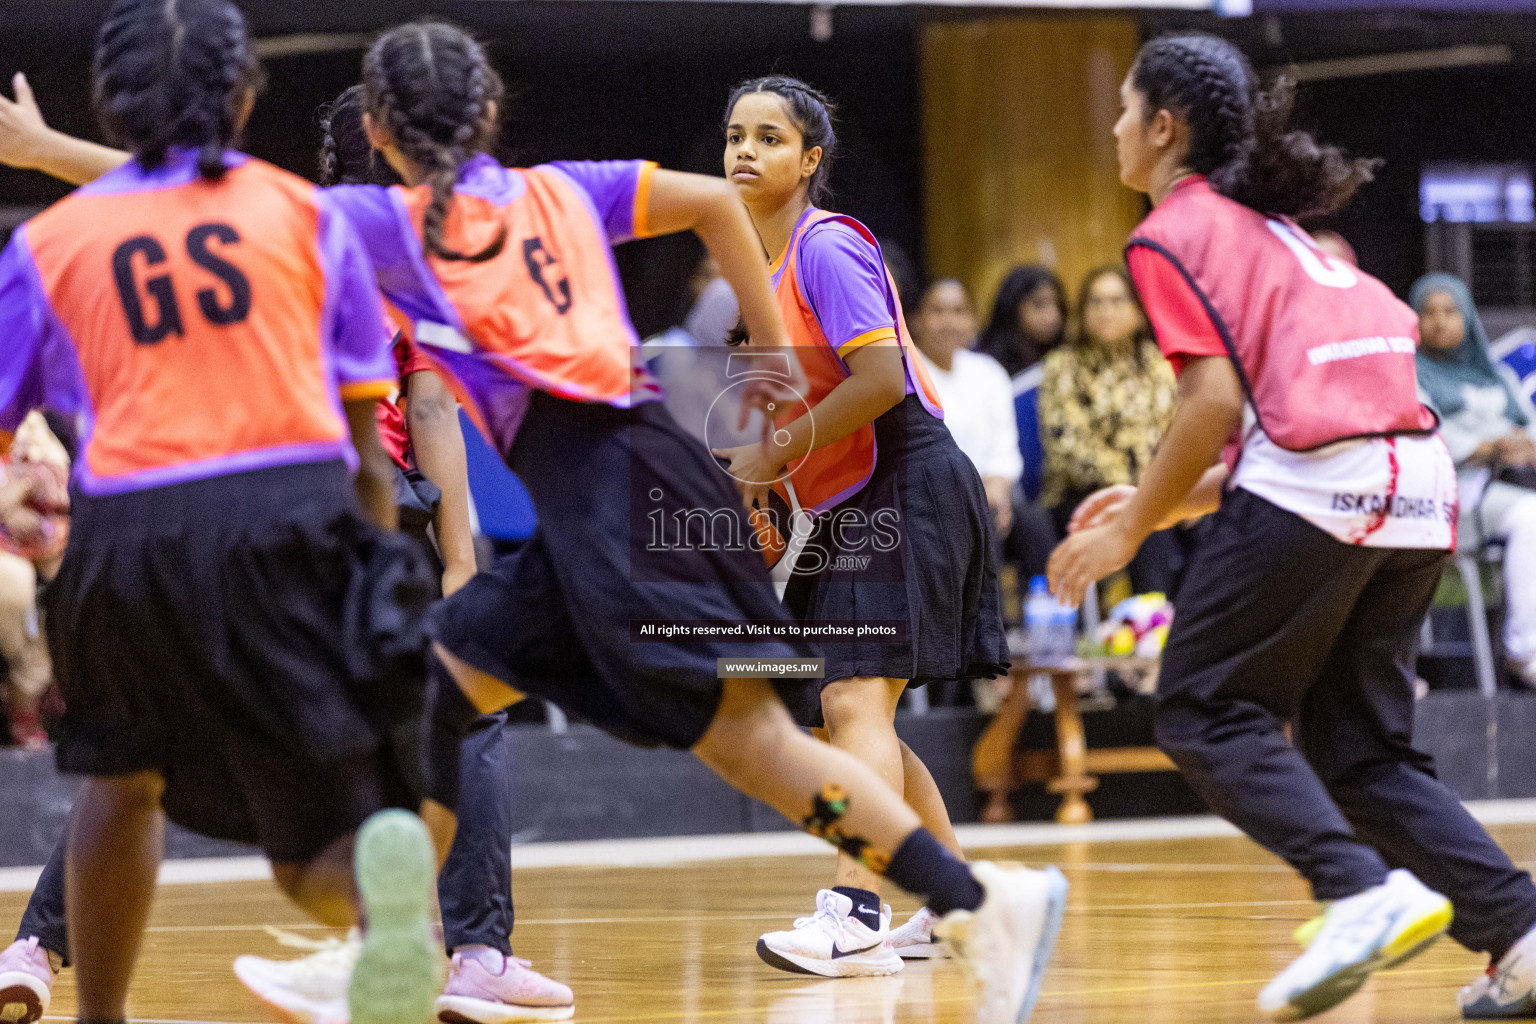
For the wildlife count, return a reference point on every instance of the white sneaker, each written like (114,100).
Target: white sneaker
(1508,990)
(1376,929)
(832,943)
(309,990)
(914,940)
(1007,941)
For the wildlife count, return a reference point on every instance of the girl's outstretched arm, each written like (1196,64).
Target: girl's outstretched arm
(27,142)
(710,208)
(1103,505)
(1210,409)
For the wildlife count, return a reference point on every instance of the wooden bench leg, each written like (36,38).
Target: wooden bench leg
(1072,747)
(992,760)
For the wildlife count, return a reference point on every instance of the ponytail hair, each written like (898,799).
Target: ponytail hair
(346,155)
(432,86)
(174,73)
(1240,134)
(814,116)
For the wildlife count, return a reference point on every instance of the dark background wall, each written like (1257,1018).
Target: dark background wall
(1468,113)
(606,80)
(1479,115)
(588,80)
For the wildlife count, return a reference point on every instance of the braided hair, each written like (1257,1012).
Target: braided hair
(814,117)
(346,155)
(1240,133)
(174,73)
(431,85)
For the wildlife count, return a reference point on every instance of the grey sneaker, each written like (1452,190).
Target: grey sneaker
(1508,990)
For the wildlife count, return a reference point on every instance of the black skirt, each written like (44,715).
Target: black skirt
(248,627)
(637,525)
(914,545)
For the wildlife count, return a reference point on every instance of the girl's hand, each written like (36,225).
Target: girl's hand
(1487,453)
(1000,499)
(769,396)
(21,126)
(1516,449)
(754,467)
(1100,507)
(1087,557)
(781,386)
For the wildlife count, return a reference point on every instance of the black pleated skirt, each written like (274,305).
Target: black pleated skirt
(915,546)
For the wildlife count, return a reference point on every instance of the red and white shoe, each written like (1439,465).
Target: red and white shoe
(485,987)
(914,940)
(26,982)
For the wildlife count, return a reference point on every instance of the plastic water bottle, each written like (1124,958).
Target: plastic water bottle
(1051,627)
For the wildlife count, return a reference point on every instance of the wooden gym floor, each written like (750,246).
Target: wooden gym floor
(1157,932)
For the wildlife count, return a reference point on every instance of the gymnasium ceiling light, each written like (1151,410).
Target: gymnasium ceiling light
(272,47)
(1397,63)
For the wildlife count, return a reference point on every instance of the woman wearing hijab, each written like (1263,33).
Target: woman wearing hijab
(1485,420)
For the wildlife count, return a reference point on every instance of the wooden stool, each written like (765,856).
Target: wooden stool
(1068,770)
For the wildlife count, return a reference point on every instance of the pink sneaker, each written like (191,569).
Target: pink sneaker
(26,982)
(476,994)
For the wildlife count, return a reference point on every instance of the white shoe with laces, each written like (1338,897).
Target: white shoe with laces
(311,989)
(832,943)
(1007,941)
(914,940)
(1368,932)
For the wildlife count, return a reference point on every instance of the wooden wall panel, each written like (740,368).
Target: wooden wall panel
(1019,155)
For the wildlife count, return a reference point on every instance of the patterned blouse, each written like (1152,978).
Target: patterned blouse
(1102,413)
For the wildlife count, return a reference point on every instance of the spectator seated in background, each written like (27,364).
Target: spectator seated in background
(1029,318)
(673,356)
(1486,422)
(1105,401)
(978,410)
(975,391)
(34,528)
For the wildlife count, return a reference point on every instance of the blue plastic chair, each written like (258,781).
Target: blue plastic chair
(502,503)
(1026,401)
(1517,350)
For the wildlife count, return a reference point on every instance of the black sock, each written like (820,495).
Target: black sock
(924,868)
(866,906)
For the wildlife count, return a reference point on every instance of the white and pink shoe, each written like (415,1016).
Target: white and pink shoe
(26,982)
(914,940)
(485,987)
